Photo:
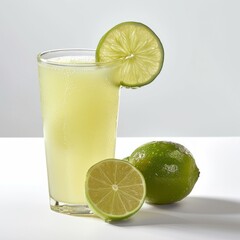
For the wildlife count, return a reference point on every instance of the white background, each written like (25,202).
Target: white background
(197,93)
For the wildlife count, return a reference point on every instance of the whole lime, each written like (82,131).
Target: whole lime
(169,170)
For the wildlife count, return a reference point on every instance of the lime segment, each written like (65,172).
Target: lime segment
(114,189)
(139,49)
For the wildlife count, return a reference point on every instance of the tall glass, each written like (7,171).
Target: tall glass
(79,102)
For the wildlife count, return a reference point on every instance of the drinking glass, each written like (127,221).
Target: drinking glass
(79,104)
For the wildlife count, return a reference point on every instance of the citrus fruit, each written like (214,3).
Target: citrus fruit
(169,170)
(139,49)
(114,189)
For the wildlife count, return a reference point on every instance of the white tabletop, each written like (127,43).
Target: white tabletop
(211,211)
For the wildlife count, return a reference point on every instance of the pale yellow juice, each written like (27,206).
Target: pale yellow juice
(79,110)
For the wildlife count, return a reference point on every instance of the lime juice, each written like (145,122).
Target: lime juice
(79,101)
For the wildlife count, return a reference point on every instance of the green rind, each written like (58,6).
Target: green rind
(108,217)
(136,85)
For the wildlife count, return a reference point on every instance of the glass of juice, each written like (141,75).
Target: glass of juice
(79,103)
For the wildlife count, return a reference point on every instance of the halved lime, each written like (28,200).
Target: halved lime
(114,189)
(138,47)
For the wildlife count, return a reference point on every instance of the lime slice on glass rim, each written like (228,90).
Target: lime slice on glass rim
(138,47)
(115,189)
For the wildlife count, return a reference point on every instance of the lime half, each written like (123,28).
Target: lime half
(139,49)
(114,189)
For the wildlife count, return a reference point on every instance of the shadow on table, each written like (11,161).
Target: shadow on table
(200,205)
(207,213)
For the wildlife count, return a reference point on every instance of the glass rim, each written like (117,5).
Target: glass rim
(41,59)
